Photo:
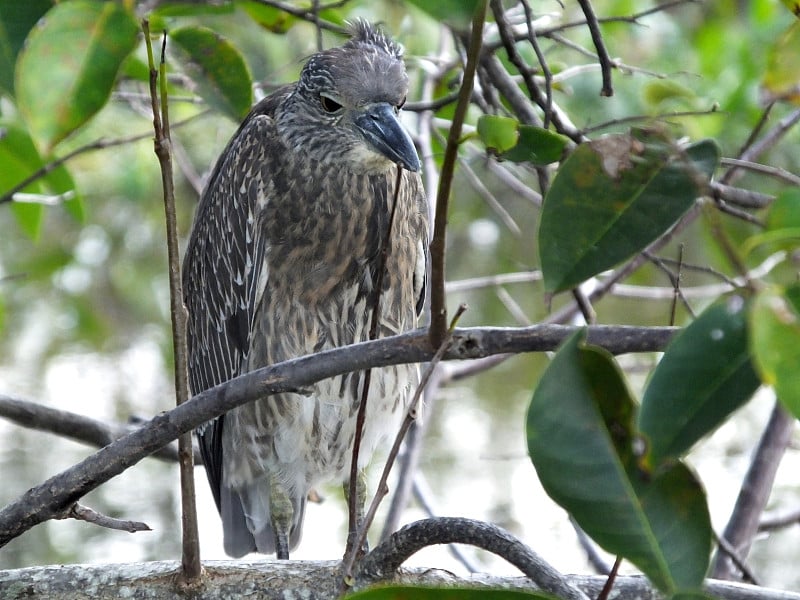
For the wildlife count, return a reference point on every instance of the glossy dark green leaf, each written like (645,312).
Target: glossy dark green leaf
(217,68)
(16,20)
(74,55)
(583,444)
(538,146)
(510,140)
(407,592)
(705,374)
(614,196)
(457,13)
(775,342)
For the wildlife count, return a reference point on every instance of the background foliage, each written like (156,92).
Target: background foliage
(83,285)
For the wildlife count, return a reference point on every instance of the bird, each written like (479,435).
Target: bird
(282,260)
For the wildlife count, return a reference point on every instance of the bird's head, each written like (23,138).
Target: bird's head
(345,105)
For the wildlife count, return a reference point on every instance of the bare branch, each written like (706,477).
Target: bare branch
(74,426)
(44,501)
(438,323)
(411,417)
(776,172)
(100,144)
(743,524)
(312,580)
(84,513)
(774,522)
(390,554)
(597,40)
(163,149)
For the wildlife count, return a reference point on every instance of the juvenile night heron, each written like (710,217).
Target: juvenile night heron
(281,263)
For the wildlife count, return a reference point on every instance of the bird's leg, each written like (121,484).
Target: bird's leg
(361,500)
(281,514)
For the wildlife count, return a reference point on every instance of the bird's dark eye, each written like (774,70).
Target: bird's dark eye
(329,104)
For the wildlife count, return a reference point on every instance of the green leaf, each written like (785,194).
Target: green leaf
(19,159)
(782,227)
(217,68)
(270,18)
(582,442)
(538,146)
(704,376)
(508,139)
(658,91)
(775,342)
(614,196)
(457,13)
(67,70)
(408,592)
(16,20)
(498,134)
(782,74)
(192,9)
(29,218)
(784,212)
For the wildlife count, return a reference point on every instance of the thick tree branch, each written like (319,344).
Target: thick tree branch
(312,580)
(382,562)
(44,501)
(743,524)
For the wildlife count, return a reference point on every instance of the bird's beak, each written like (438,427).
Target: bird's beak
(383,131)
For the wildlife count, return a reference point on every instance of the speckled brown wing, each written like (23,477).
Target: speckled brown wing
(221,271)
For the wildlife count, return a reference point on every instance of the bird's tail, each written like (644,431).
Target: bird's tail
(246,522)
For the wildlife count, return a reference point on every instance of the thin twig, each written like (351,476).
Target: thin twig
(546,73)
(612,575)
(307,14)
(768,141)
(353,504)
(776,172)
(568,312)
(597,40)
(84,513)
(438,324)
(728,176)
(411,415)
(101,144)
(653,118)
(191,544)
(739,196)
(592,553)
(775,522)
(725,548)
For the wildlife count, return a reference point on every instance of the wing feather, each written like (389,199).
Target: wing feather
(222,277)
